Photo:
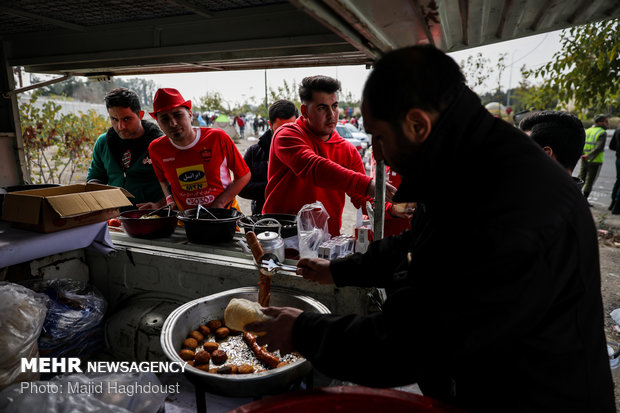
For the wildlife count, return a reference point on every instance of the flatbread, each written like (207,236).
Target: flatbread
(240,312)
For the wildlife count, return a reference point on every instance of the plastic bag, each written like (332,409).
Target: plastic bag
(73,322)
(107,395)
(22,312)
(312,229)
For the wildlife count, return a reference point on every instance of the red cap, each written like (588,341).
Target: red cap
(166,99)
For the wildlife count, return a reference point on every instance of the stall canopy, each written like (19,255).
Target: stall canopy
(100,39)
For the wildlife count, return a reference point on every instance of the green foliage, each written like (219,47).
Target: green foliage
(212,101)
(89,91)
(585,72)
(477,71)
(58,147)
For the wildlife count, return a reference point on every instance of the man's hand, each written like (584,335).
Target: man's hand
(584,157)
(390,190)
(148,205)
(315,269)
(279,330)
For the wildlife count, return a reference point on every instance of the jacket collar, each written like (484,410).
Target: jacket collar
(265,140)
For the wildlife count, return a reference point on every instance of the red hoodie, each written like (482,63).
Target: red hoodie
(304,169)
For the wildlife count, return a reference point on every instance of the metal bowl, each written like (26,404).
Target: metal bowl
(214,226)
(160,227)
(188,316)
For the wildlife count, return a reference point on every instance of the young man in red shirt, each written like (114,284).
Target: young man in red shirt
(310,162)
(194,164)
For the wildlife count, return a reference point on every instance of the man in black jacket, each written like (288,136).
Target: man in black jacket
(614,145)
(257,156)
(494,301)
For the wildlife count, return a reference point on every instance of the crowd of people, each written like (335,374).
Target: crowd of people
(510,319)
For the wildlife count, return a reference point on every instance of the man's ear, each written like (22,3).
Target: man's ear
(304,110)
(549,151)
(418,124)
(141,114)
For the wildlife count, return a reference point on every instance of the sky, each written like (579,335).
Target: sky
(241,85)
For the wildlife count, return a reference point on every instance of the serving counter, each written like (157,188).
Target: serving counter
(174,266)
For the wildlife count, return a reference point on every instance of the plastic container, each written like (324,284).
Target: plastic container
(160,226)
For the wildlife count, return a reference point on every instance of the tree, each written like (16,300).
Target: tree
(477,71)
(586,70)
(58,147)
(212,101)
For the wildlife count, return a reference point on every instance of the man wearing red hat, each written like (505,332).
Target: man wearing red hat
(193,165)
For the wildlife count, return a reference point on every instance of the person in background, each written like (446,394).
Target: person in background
(493,304)
(614,145)
(194,165)
(120,156)
(257,155)
(310,162)
(559,134)
(593,152)
(241,123)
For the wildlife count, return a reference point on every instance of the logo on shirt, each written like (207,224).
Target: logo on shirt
(192,177)
(206,154)
(147,160)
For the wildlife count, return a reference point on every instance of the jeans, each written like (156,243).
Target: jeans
(589,172)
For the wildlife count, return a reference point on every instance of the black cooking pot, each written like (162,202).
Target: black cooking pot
(214,226)
(160,225)
(288,222)
(17,188)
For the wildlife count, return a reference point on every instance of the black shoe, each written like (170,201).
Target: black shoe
(612,205)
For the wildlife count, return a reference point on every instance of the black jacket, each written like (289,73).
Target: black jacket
(494,299)
(257,158)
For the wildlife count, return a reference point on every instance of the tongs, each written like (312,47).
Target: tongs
(159,209)
(271,263)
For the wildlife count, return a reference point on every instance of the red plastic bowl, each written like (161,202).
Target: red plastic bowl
(160,227)
(340,399)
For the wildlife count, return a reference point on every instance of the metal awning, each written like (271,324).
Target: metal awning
(118,37)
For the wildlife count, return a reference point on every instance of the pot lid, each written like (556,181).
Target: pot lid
(268,236)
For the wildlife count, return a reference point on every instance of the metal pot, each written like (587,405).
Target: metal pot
(188,316)
(287,221)
(159,227)
(210,229)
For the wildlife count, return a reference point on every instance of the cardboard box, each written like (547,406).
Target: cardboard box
(63,207)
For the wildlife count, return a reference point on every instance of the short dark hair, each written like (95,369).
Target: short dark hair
(561,131)
(123,97)
(412,77)
(282,109)
(317,83)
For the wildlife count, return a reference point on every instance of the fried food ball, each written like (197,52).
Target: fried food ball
(203,367)
(214,324)
(190,362)
(190,342)
(204,330)
(213,370)
(221,333)
(219,357)
(282,363)
(245,369)
(187,354)
(197,335)
(210,346)
(225,370)
(202,357)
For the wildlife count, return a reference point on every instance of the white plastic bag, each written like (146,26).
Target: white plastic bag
(312,229)
(22,312)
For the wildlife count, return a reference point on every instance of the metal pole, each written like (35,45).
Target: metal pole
(379,200)
(266,104)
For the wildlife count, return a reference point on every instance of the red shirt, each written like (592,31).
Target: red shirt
(199,172)
(304,169)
